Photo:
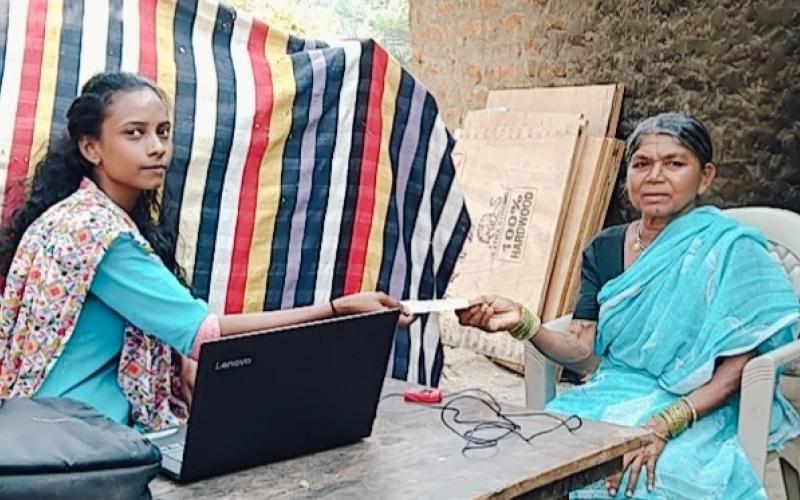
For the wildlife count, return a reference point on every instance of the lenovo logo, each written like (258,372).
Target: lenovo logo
(234,363)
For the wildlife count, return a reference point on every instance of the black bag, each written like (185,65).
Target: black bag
(61,448)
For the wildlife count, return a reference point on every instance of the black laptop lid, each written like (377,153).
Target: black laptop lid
(265,397)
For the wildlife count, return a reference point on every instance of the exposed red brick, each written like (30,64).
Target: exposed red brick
(473,72)
(506,72)
(468,29)
(512,22)
(432,33)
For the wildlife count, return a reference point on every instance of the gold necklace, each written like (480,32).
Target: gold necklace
(639,245)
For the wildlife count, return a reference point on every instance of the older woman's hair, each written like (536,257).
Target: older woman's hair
(685,129)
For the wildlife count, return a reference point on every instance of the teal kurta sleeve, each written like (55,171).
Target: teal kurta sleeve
(145,293)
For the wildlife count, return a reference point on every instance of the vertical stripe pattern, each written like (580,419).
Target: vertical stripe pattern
(11,88)
(114,38)
(302,171)
(28,96)
(47,84)
(69,61)
(129,55)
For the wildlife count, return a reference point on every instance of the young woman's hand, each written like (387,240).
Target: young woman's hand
(370,301)
(188,375)
(491,313)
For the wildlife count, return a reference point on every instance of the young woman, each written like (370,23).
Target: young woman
(88,270)
(671,307)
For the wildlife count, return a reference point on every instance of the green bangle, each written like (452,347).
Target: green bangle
(528,326)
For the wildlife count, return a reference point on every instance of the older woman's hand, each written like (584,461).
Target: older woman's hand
(491,313)
(644,457)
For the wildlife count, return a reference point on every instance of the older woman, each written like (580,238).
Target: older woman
(671,307)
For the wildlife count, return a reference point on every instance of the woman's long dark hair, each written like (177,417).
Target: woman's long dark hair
(60,172)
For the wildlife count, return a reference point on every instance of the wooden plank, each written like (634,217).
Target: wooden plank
(611,180)
(561,488)
(584,190)
(600,104)
(595,217)
(516,170)
(616,111)
(411,453)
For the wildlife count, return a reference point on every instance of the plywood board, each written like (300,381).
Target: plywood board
(600,104)
(516,171)
(616,111)
(584,190)
(595,216)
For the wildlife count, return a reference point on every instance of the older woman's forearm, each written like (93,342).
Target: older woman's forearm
(725,382)
(573,349)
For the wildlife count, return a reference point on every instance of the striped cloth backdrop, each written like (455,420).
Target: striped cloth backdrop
(301,170)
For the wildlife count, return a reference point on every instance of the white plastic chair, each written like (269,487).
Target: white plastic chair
(782,229)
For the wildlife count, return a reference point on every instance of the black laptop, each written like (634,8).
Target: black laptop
(265,397)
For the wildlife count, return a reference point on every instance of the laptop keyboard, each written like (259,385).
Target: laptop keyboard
(173,451)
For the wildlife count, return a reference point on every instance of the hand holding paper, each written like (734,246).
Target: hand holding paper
(491,313)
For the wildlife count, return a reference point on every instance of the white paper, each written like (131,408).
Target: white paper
(429,306)
(161,434)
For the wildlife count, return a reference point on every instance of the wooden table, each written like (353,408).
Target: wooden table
(412,455)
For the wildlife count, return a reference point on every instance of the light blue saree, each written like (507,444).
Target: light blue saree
(706,288)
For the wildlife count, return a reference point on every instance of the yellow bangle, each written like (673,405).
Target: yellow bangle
(691,407)
(677,417)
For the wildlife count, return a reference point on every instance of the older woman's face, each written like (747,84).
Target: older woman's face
(665,178)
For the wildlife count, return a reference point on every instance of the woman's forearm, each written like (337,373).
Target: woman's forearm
(232,324)
(357,303)
(573,349)
(725,382)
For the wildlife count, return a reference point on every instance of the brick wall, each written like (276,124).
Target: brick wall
(734,64)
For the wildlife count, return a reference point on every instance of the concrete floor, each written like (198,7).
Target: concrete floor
(465,369)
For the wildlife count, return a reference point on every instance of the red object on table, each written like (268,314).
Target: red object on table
(423,395)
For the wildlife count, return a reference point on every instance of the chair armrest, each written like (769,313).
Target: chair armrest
(540,372)
(559,324)
(755,405)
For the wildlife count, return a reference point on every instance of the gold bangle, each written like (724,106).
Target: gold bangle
(679,420)
(679,416)
(665,418)
(691,407)
(676,417)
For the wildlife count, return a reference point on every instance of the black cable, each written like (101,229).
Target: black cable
(503,426)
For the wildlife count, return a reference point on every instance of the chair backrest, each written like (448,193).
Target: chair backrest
(782,229)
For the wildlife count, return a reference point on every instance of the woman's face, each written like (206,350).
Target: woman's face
(135,145)
(665,178)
